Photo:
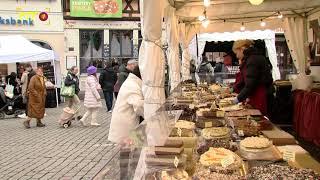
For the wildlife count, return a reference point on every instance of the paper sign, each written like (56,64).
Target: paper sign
(227,161)
(289,156)
(207,124)
(176,161)
(179,131)
(240,132)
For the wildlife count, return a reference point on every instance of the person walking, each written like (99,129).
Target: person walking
(107,81)
(72,79)
(24,82)
(123,74)
(36,98)
(92,99)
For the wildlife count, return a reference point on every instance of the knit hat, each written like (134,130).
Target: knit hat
(133,61)
(91,70)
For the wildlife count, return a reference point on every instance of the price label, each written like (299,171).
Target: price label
(240,132)
(191,106)
(207,124)
(179,132)
(225,162)
(289,156)
(176,161)
(10,108)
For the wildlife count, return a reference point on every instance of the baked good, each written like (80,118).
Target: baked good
(215,132)
(215,87)
(274,171)
(169,161)
(231,108)
(185,125)
(207,174)
(255,144)
(216,156)
(243,113)
(203,122)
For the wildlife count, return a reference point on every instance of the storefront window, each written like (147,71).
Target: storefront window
(91,49)
(121,44)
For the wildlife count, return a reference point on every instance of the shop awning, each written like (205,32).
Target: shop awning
(18,49)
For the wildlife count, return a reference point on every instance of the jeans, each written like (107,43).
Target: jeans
(108,96)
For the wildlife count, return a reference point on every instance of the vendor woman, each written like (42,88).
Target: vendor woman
(256,73)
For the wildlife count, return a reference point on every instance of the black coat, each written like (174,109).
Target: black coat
(108,79)
(258,72)
(72,79)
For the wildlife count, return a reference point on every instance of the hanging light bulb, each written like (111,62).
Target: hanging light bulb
(206,3)
(263,24)
(242,28)
(256,2)
(201,18)
(280,16)
(205,23)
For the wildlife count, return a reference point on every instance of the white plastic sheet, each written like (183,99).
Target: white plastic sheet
(173,46)
(271,48)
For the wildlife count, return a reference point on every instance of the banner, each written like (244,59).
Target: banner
(96,8)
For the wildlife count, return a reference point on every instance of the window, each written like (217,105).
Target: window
(121,44)
(91,49)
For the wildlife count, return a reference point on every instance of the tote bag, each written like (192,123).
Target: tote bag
(67,91)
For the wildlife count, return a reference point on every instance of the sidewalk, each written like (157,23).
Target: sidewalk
(53,152)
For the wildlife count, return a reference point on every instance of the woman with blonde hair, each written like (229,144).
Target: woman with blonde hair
(256,74)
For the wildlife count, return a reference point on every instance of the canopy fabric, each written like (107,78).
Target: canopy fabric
(152,62)
(173,46)
(18,49)
(238,35)
(187,32)
(267,35)
(295,31)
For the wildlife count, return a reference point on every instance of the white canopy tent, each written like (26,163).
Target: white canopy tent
(268,36)
(16,48)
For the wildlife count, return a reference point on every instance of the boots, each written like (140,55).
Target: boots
(39,123)
(26,124)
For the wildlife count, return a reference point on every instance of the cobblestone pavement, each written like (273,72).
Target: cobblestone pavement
(53,152)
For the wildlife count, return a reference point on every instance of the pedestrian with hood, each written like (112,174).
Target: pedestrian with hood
(124,73)
(73,80)
(36,98)
(107,81)
(92,99)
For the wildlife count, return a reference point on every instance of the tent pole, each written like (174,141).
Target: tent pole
(55,77)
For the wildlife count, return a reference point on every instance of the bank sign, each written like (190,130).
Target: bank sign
(96,8)
(14,21)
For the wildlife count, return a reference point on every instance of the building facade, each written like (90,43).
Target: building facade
(96,39)
(21,17)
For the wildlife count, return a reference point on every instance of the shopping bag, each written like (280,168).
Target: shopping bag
(67,91)
(9,91)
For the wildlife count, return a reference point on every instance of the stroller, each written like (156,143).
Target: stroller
(67,116)
(10,104)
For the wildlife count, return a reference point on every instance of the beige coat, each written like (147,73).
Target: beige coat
(92,97)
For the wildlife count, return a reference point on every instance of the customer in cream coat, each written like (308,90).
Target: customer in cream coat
(128,108)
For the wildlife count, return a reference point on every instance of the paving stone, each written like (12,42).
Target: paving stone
(54,152)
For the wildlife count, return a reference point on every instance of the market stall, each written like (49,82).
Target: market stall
(267,35)
(18,49)
(214,137)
